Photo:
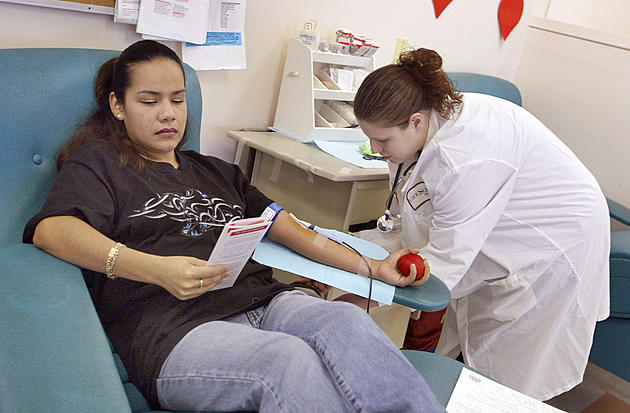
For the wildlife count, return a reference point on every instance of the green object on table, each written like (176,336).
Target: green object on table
(365,149)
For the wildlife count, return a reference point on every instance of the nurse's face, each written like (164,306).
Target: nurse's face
(397,144)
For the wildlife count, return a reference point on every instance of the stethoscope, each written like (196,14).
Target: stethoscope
(385,223)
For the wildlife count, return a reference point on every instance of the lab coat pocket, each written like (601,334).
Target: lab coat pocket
(512,298)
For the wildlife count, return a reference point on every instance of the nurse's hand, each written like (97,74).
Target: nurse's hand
(387,270)
(425,276)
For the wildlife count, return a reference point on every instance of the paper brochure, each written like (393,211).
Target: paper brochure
(475,393)
(235,246)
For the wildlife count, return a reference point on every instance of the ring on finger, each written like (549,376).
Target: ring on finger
(201,283)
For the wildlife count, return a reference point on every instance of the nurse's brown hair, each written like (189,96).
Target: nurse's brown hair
(390,95)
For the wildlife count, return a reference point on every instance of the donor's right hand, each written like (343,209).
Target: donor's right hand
(188,277)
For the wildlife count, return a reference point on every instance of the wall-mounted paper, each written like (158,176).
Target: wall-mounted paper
(185,21)
(224,45)
(126,11)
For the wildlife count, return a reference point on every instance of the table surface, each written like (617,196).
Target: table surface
(307,156)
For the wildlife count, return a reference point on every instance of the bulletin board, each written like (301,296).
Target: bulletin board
(90,6)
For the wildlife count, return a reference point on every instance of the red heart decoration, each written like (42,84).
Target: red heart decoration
(510,12)
(440,5)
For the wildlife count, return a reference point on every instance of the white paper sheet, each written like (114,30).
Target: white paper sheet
(156,38)
(182,20)
(235,245)
(278,256)
(224,44)
(126,11)
(475,393)
(349,152)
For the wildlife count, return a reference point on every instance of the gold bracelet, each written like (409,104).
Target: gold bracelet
(111,260)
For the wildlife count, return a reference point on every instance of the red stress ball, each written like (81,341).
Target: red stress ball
(404,265)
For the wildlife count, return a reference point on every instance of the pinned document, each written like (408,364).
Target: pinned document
(175,20)
(126,11)
(224,42)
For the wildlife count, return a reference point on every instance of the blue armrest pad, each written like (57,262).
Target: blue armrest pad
(53,352)
(433,294)
(618,211)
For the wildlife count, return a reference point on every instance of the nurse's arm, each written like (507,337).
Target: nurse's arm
(317,247)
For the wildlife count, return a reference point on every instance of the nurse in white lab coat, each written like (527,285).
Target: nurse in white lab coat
(506,215)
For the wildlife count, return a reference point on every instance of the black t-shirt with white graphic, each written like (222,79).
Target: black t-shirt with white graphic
(164,211)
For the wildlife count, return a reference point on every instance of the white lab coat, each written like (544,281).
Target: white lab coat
(518,229)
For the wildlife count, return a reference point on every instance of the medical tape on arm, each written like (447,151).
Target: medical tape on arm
(320,242)
(321,235)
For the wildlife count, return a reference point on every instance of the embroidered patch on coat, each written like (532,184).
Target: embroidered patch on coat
(417,195)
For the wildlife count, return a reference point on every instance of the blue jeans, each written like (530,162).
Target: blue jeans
(302,355)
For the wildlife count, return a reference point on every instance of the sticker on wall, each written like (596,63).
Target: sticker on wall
(510,12)
(440,5)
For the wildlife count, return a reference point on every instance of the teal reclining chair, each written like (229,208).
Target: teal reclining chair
(612,336)
(54,354)
(488,85)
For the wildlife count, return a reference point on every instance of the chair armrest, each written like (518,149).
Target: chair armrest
(620,274)
(54,355)
(431,296)
(618,211)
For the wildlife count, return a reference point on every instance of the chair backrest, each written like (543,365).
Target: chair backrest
(46,94)
(488,85)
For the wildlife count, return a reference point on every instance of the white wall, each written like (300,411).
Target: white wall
(574,78)
(605,15)
(466,34)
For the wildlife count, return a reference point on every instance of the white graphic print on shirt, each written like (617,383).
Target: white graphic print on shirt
(197,211)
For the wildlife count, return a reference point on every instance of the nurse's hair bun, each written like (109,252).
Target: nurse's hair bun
(425,67)
(390,94)
(422,60)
